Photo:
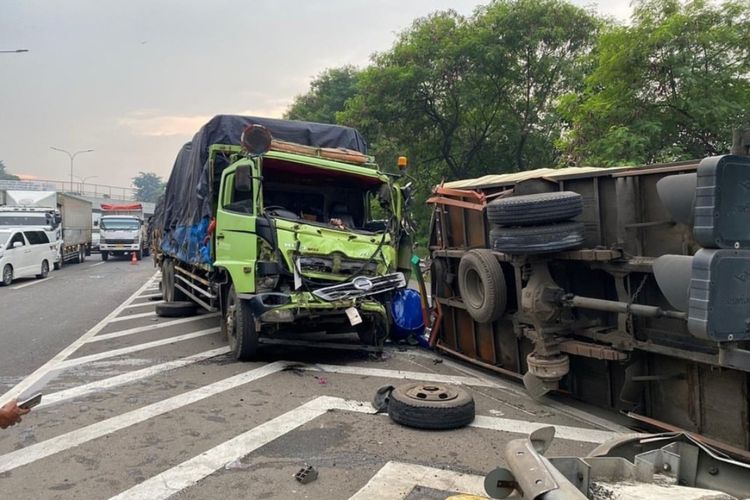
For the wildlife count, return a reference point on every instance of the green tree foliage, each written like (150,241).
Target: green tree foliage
(468,96)
(328,93)
(148,186)
(670,86)
(5,175)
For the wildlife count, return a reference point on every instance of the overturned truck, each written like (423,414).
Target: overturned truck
(284,228)
(628,288)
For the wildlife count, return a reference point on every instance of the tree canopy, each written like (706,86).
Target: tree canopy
(328,94)
(148,186)
(5,175)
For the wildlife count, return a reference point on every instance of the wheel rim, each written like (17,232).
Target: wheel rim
(474,289)
(432,392)
(45,268)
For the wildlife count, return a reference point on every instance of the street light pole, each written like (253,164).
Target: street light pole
(72,157)
(83,182)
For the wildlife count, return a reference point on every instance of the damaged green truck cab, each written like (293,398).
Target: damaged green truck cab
(301,244)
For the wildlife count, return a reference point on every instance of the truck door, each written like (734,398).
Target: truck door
(236,241)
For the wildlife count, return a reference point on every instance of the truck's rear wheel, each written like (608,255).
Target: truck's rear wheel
(105,255)
(238,322)
(169,291)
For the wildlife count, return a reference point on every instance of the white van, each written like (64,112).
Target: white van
(24,253)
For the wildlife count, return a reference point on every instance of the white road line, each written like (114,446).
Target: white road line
(135,348)
(43,449)
(399,374)
(191,471)
(97,264)
(133,316)
(35,282)
(147,328)
(397,479)
(524,427)
(141,304)
(51,365)
(149,296)
(128,378)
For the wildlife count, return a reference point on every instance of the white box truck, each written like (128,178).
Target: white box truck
(121,231)
(65,218)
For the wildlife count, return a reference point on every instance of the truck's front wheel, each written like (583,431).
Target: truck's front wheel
(105,255)
(238,322)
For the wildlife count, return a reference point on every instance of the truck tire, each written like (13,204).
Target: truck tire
(537,239)
(176,309)
(439,277)
(431,406)
(105,255)
(373,331)
(238,322)
(139,255)
(482,285)
(530,209)
(44,270)
(59,265)
(81,255)
(168,289)
(7,277)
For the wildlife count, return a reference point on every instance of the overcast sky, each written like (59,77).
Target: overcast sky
(135,79)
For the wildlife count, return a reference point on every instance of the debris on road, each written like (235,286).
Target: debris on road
(237,464)
(431,406)
(306,474)
(382,396)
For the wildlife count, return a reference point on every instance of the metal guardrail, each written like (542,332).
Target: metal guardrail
(77,188)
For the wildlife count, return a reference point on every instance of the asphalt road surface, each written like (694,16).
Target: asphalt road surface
(137,406)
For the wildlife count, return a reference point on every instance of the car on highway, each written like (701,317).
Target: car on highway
(24,253)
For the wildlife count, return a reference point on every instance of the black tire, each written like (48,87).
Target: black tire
(456,410)
(7,278)
(139,254)
(482,284)
(530,209)
(176,309)
(57,266)
(81,255)
(373,331)
(168,289)
(45,270)
(238,322)
(105,255)
(439,277)
(537,239)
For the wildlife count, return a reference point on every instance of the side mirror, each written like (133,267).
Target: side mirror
(58,219)
(17,244)
(243,181)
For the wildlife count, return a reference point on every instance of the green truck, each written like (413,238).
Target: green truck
(286,228)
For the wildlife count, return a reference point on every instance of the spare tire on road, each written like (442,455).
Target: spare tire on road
(431,406)
(530,209)
(537,239)
(482,285)
(176,309)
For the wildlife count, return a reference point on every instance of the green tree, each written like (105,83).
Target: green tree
(672,85)
(328,93)
(5,175)
(148,186)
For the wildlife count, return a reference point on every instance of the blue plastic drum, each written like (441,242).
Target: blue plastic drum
(406,311)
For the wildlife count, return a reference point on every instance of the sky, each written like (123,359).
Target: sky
(134,80)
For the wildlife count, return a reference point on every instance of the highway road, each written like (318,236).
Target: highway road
(138,406)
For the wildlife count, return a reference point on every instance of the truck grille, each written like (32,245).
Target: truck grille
(117,242)
(361,286)
(337,265)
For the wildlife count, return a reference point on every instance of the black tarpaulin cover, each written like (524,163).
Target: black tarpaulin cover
(186,199)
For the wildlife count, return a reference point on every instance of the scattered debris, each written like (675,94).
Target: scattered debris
(437,361)
(236,464)
(322,380)
(306,474)
(496,413)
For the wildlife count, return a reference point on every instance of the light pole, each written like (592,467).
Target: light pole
(72,157)
(83,182)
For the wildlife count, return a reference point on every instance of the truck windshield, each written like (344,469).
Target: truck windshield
(23,220)
(119,224)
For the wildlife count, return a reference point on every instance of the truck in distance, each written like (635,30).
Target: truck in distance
(122,231)
(66,219)
(275,224)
